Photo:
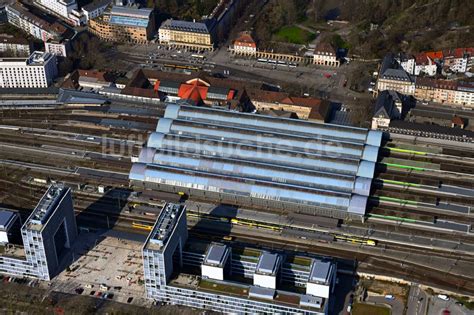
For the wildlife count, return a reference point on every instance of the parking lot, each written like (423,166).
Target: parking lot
(437,306)
(313,80)
(105,267)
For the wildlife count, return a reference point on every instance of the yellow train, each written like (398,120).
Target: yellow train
(355,240)
(259,225)
(181,67)
(142,226)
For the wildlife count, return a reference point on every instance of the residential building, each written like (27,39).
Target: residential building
(95,9)
(325,55)
(18,15)
(459,60)
(124,24)
(407,62)
(331,179)
(244,45)
(14,45)
(49,230)
(184,34)
(393,77)
(53,35)
(388,106)
(60,7)
(425,65)
(38,70)
(445,92)
(58,48)
(166,254)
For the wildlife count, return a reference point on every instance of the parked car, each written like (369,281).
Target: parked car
(389,297)
(79,290)
(130,299)
(443,297)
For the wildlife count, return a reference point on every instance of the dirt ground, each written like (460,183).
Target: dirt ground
(383,288)
(17,298)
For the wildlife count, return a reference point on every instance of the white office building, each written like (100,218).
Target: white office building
(60,7)
(37,71)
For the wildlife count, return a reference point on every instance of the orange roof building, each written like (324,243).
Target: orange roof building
(245,45)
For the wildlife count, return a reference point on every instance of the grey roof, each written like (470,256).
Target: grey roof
(185,26)
(384,104)
(96,4)
(431,129)
(274,138)
(218,90)
(30,91)
(261,293)
(311,301)
(243,188)
(169,84)
(268,263)
(396,74)
(256,157)
(216,254)
(6,218)
(391,69)
(164,224)
(266,123)
(320,271)
(47,205)
(142,13)
(79,97)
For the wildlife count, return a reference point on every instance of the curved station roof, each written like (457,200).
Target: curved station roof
(254,156)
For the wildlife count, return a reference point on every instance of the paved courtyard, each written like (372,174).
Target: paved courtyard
(109,260)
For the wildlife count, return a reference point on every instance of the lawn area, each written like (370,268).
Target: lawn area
(294,35)
(226,288)
(368,309)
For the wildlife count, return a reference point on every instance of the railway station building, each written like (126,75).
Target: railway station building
(191,282)
(260,161)
(47,233)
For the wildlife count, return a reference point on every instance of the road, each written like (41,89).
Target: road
(396,305)
(303,79)
(436,306)
(417,301)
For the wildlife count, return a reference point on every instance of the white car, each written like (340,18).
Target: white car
(389,297)
(443,297)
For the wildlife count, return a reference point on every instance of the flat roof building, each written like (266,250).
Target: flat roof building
(49,230)
(16,46)
(37,71)
(169,283)
(193,35)
(124,24)
(260,161)
(7,222)
(62,8)
(266,273)
(216,261)
(321,275)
